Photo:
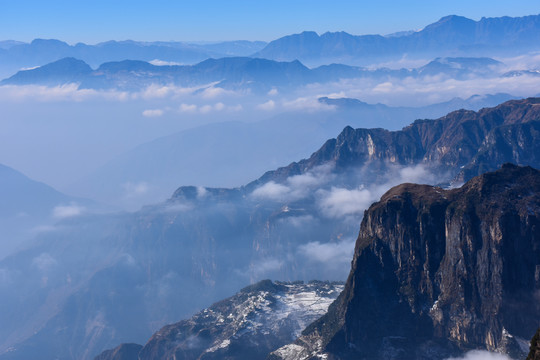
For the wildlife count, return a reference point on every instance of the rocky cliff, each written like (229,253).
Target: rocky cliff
(459,145)
(439,272)
(534,353)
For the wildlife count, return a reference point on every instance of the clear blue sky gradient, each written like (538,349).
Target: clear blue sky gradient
(93,21)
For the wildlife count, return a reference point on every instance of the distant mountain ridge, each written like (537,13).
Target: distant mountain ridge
(257,74)
(17,55)
(161,163)
(450,36)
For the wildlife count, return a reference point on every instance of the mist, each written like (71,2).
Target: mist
(146,187)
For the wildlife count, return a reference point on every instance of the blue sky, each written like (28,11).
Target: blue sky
(186,20)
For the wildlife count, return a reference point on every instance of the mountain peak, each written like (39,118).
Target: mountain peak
(438,272)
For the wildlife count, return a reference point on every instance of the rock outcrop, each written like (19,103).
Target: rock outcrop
(534,353)
(438,272)
(260,318)
(460,145)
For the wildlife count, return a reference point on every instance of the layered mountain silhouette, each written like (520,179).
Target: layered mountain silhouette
(450,36)
(256,74)
(162,164)
(167,261)
(438,272)
(16,55)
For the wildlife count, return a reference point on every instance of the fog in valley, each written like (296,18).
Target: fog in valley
(157,187)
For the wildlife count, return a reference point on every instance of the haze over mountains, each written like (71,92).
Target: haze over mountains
(158,167)
(450,36)
(256,75)
(15,55)
(204,243)
(185,137)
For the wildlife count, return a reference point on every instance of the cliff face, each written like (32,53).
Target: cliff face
(534,353)
(461,145)
(436,273)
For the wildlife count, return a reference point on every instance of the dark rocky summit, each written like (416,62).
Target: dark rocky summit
(534,353)
(258,319)
(437,273)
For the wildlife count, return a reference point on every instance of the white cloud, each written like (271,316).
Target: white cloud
(267,106)
(213,92)
(418,174)
(264,267)
(482,355)
(329,253)
(298,221)
(201,192)
(205,109)
(67,92)
(191,108)
(135,189)
(339,202)
(271,191)
(421,91)
(152,112)
(157,91)
(44,262)
(66,211)
(307,104)
(317,176)
(273,92)
(158,62)
(295,187)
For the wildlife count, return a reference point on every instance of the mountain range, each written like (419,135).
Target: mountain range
(450,36)
(256,74)
(74,292)
(16,55)
(163,164)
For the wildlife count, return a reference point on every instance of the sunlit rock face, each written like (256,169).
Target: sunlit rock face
(439,272)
